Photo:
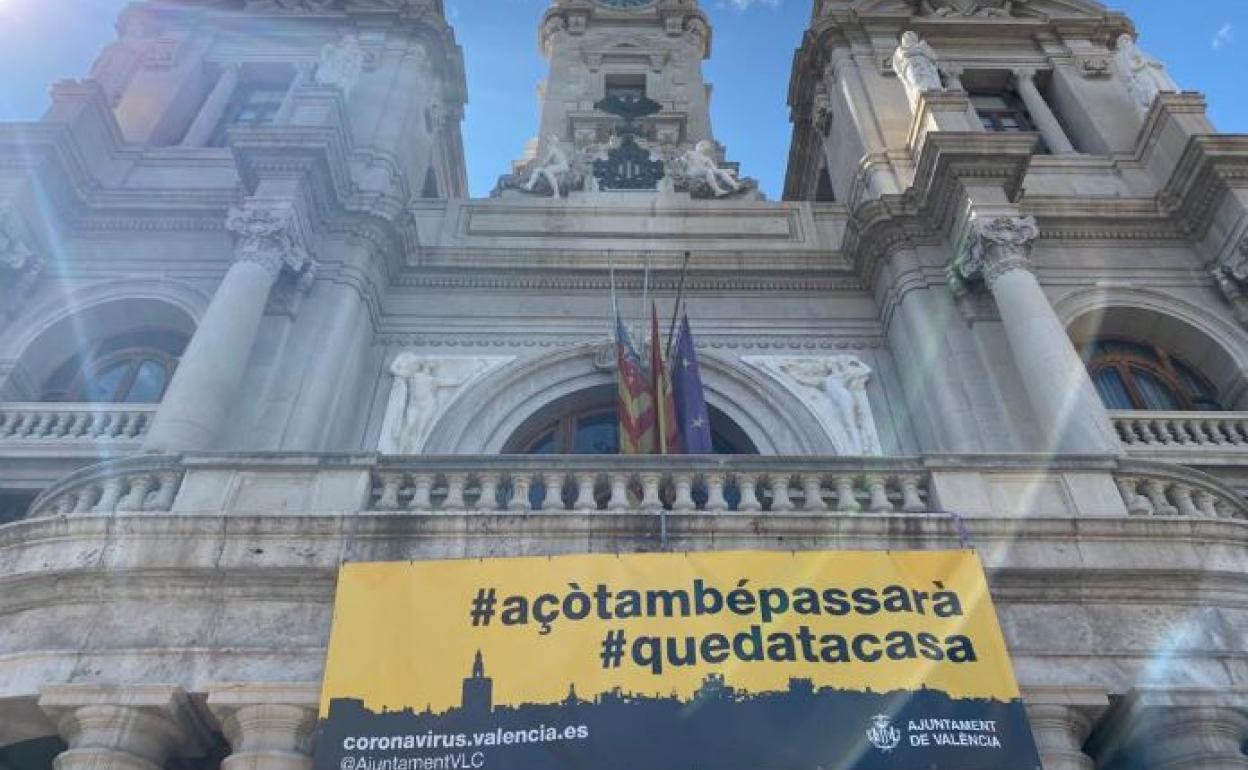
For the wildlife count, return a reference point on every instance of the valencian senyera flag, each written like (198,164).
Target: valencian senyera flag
(635,403)
(695,421)
(668,426)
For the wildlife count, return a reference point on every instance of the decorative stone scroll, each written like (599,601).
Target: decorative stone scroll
(834,388)
(1231,277)
(424,388)
(270,236)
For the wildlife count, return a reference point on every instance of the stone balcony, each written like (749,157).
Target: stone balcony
(968,486)
(1192,438)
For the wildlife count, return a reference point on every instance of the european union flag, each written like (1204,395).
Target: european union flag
(695,422)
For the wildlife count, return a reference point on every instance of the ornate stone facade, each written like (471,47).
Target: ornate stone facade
(235,355)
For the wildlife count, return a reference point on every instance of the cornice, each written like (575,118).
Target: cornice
(705,342)
(600,281)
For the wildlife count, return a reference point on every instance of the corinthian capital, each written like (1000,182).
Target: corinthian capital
(270,236)
(995,246)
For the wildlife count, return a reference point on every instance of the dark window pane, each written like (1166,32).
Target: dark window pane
(1158,395)
(597,434)
(149,384)
(102,385)
(544,445)
(1112,389)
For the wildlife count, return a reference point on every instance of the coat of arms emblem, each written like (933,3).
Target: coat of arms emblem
(882,734)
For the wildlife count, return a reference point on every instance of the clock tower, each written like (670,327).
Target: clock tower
(603,52)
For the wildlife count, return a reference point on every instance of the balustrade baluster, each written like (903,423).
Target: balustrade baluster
(619,492)
(86,498)
(1205,502)
(7,421)
(521,484)
(650,500)
(1137,504)
(166,491)
(812,490)
(911,499)
(110,496)
(780,500)
(585,500)
(846,497)
(422,492)
(553,500)
(715,501)
(684,493)
(488,500)
(1157,496)
(747,484)
(879,502)
(134,501)
(455,485)
(1182,495)
(388,500)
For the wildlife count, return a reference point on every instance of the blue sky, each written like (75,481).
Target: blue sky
(42,41)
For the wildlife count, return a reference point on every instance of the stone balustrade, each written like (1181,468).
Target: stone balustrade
(1182,431)
(74,423)
(1153,489)
(282,483)
(138,485)
(678,485)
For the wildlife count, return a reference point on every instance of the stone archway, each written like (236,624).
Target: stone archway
(1200,337)
(486,416)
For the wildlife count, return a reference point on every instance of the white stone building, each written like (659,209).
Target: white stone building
(252,326)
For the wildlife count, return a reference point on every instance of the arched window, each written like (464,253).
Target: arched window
(586,423)
(132,368)
(1142,376)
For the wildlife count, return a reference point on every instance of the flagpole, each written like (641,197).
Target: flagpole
(680,293)
(645,295)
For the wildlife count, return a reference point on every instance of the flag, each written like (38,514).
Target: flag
(668,427)
(635,406)
(695,421)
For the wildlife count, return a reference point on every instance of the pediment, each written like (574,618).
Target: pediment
(981,9)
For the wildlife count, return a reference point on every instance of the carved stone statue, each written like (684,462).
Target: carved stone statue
(914,61)
(424,387)
(341,65)
(554,166)
(701,168)
(20,266)
(968,8)
(1145,76)
(835,390)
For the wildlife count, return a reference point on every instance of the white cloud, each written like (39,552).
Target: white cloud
(1223,37)
(744,5)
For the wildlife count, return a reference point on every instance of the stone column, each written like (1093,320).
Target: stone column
(269,239)
(1047,123)
(1066,405)
(1194,737)
(313,412)
(268,726)
(213,109)
(118,728)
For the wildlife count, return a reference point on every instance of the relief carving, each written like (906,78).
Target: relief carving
(424,387)
(834,388)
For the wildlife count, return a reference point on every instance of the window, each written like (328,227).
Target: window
(589,426)
(127,369)
(1002,112)
(253,105)
(1140,376)
(626,87)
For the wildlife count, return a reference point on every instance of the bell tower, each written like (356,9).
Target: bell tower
(607,51)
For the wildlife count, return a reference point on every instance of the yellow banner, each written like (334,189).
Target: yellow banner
(407,635)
